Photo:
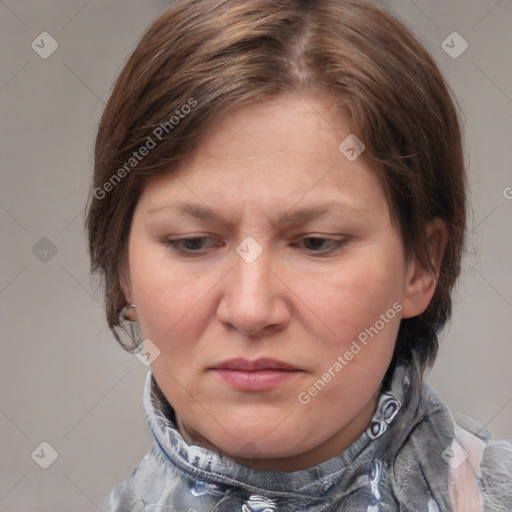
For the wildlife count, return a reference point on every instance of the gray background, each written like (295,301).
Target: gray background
(64,380)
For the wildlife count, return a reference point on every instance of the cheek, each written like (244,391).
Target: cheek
(168,299)
(354,297)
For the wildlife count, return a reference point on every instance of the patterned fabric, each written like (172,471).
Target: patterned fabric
(413,457)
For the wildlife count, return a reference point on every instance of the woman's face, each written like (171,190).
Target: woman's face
(277,305)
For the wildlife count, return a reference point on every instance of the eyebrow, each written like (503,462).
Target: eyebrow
(294,216)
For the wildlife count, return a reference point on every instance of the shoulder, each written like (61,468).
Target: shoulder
(453,459)
(144,485)
(482,460)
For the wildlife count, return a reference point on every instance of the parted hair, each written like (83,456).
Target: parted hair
(201,58)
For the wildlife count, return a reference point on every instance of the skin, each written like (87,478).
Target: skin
(300,302)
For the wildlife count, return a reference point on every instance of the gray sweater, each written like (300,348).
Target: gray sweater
(414,456)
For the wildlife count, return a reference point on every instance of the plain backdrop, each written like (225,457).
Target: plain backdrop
(63,378)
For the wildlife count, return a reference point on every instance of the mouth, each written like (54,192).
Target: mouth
(258,375)
(263,363)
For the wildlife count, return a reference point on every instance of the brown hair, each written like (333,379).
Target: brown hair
(201,58)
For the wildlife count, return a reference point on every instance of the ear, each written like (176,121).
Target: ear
(420,283)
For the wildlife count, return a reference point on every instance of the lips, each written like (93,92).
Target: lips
(251,366)
(260,375)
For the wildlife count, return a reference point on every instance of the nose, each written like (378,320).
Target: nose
(254,296)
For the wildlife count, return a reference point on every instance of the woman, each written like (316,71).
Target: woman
(278,210)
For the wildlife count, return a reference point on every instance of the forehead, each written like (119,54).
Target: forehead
(275,154)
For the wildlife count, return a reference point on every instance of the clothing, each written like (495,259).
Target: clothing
(407,459)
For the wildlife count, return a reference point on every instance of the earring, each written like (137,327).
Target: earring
(125,309)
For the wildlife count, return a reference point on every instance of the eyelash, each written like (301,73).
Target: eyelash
(175,244)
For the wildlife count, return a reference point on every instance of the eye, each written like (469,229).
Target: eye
(319,244)
(186,246)
(195,246)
